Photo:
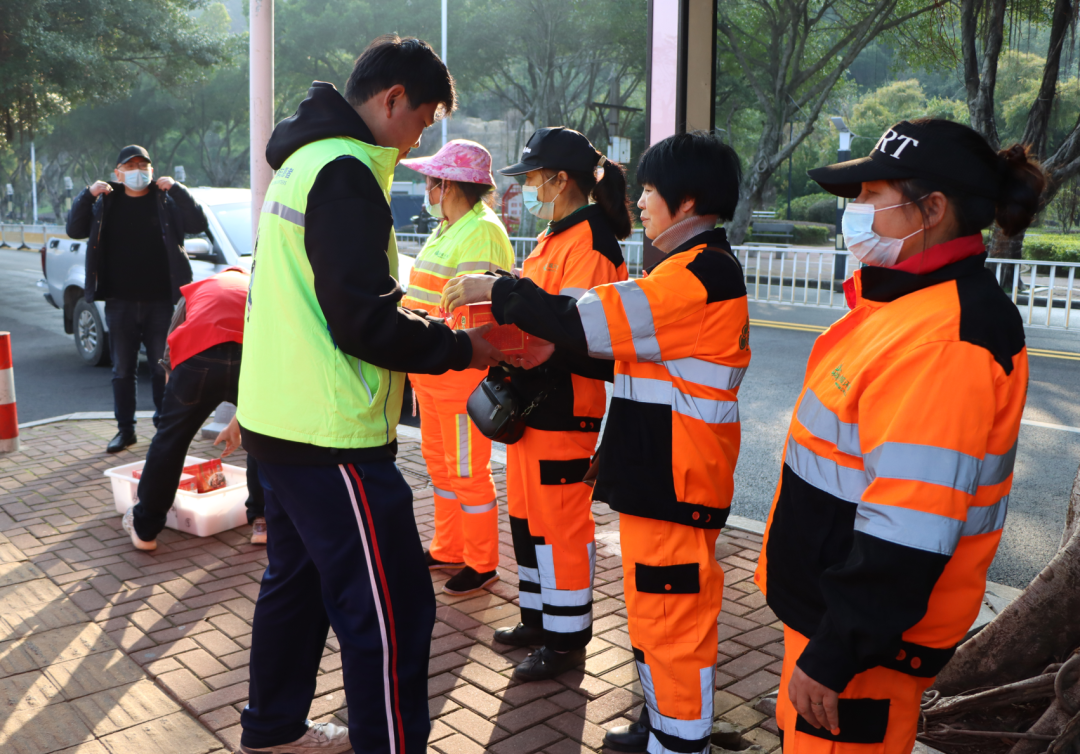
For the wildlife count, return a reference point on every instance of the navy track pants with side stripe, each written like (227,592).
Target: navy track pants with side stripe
(343,551)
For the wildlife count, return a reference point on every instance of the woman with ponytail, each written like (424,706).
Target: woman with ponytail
(899,458)
(582,195)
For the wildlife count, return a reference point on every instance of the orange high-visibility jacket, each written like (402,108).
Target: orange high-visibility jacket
(571,256)
(897,472)
(679,340)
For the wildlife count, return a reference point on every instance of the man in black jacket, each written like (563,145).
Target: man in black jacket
(136,263)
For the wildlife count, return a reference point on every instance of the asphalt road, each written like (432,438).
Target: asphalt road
(51,381)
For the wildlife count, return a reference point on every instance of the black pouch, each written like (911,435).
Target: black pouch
(496,410)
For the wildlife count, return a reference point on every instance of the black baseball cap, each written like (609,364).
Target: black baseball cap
(132,151)
(940,150)
(558,148)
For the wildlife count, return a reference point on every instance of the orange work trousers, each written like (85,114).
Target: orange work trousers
(673,587)
(552,526)
(458,458)
(879,711)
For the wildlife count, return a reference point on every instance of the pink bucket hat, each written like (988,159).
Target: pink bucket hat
(458,160)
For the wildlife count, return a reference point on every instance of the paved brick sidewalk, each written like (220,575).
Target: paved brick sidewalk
(183,615)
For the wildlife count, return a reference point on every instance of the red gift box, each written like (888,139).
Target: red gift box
(509,339)
(208,475)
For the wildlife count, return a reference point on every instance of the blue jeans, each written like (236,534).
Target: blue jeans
(343,551)
(132,323)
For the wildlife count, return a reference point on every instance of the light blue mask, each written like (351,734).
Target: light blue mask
(542,210)
(435,210)
(136,180)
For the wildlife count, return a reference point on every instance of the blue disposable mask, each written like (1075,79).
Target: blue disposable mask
(542,210)
(866,245)
(435,210)
(136,180)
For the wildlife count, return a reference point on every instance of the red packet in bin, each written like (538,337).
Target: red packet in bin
(509,339)
(208,475)
(189,483)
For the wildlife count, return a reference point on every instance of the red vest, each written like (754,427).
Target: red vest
(215,314)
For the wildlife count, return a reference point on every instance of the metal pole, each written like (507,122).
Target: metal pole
(33,181)
(444,56)
(261,41)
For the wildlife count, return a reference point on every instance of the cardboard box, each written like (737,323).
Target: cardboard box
(509,339)
(208,475)
(188,482)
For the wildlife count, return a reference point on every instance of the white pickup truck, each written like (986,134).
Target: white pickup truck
(227,242)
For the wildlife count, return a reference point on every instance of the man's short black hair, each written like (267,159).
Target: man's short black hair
(391,60)
(697,166)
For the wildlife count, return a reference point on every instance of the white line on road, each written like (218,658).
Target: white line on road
(1044,425)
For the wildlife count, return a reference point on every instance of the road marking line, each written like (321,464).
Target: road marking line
(1069,355)
(1044,425)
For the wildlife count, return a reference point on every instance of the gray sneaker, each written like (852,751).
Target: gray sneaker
(320,738)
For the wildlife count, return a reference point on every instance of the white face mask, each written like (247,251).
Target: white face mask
(136,180)
(435,210)
(867,246)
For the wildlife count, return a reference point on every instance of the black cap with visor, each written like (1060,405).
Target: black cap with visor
(558,148)
(129,153)
(926,149)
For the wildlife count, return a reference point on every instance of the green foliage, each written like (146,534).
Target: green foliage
(1046,247)
(801,235)
(58,53)
(815,208)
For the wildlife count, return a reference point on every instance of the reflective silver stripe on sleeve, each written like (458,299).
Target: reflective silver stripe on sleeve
(575,292)
(996,469)
(639,315)
(285,213)
(708,411)
(823,423)
(530,601)
(825,474)
(643,389)
(567,624)
(911,528)
(526,573)
(426,265)
(445,494)
(463,446)
(466,267)
(478,508)
(706,373)
(923,463)
(594,321)
(984,519)
(422,295)
(566,597)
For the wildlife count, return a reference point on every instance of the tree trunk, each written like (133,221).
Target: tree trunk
(1038,629)
(1005,247)
(1039,116)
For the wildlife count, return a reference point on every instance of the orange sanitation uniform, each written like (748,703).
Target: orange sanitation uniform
(458,457)
(893,495)
(550,507)
(676,344)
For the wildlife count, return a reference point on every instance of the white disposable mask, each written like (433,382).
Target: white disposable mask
(435,210)
(136,180)
(542,210)
(867,246)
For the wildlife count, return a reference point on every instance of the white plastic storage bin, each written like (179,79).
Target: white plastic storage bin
(202,515)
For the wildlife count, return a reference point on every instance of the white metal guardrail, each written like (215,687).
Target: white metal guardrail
(24,236)
(1046,293)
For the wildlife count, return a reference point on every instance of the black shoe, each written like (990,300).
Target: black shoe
(630,738)
(544,664)
(435,565)
(121,441)
(520,636)
(467,580)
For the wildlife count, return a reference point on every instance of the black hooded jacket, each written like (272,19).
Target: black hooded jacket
(177,211)
(347,226)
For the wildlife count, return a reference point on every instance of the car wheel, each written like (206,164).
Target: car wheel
(91,340)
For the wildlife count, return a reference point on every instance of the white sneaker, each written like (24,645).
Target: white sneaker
(129,527)
(321,738)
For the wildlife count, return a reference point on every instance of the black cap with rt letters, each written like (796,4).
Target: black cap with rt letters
(558,148)
(917,150)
